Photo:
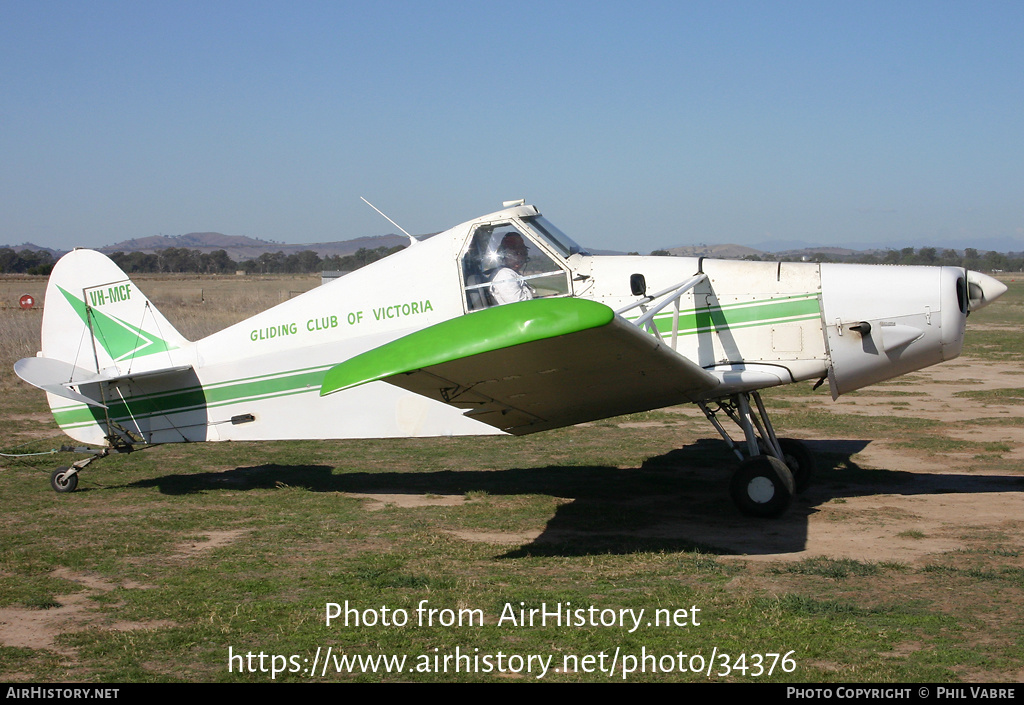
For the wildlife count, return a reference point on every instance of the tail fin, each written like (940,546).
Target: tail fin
(97,320)
(107,355)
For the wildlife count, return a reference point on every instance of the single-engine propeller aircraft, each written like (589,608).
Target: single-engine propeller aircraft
(500,325)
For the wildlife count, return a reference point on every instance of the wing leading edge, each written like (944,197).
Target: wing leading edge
(532,366)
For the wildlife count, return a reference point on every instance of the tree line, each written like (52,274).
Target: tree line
(970,258)
(185,261)
(180,260)
(25,262)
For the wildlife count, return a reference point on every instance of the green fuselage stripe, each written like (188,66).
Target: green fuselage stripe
(741,315)
(195,398)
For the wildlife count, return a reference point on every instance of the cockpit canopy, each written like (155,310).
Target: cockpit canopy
(516,259)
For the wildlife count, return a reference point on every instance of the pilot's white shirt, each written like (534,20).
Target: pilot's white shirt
(508,286)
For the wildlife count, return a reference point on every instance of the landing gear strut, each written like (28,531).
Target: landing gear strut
(771,469)
(800,462)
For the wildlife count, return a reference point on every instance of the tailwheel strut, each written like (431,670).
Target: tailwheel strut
(65,479)
(772,470)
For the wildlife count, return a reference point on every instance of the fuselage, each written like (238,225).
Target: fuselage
(766,322)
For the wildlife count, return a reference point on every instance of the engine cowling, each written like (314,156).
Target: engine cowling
(882,322)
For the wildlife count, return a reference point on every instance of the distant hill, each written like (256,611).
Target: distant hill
(191,241)
(241,248)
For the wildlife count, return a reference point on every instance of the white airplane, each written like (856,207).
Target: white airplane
(418,344)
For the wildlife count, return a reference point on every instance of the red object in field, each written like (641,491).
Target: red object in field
(27,301)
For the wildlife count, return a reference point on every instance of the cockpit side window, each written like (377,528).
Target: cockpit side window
(503,265)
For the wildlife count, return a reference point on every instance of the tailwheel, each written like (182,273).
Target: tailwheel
(64,479)
(762,486)
(800,462)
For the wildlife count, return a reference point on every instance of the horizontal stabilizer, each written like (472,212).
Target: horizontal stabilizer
(54,376)
(57,377)
(533,366)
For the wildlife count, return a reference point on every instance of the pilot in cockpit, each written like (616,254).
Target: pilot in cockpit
(508,284)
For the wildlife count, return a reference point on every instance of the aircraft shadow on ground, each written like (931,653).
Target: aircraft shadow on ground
(678,501)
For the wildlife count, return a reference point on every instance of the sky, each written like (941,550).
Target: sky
(631,125)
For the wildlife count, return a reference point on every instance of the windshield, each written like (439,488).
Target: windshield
(564,244)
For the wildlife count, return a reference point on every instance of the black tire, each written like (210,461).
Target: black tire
(762,487)
(63,480)
(800,461)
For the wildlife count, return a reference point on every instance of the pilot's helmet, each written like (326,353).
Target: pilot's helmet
(512,251)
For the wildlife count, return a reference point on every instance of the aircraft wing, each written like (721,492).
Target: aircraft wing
(533,366)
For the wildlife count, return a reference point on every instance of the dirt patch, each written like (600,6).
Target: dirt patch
(943,492)
(498,538)
(39,628)
(210,541)
(376,502)
(40,418)
(38,426)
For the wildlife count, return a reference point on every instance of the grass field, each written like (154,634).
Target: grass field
(904,562)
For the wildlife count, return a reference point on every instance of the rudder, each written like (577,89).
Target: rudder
(95,318)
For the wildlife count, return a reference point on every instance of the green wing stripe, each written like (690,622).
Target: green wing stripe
(457,338)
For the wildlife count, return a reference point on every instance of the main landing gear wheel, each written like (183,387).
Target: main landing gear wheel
(800,462)
(64,479)
(762,486)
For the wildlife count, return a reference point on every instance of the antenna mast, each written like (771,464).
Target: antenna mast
(412,240)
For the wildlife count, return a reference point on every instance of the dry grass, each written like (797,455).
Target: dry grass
(199,306)
(196,305)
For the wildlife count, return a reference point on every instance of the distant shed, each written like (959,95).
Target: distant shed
(329,275)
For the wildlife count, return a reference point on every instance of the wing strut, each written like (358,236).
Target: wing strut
(675,292)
